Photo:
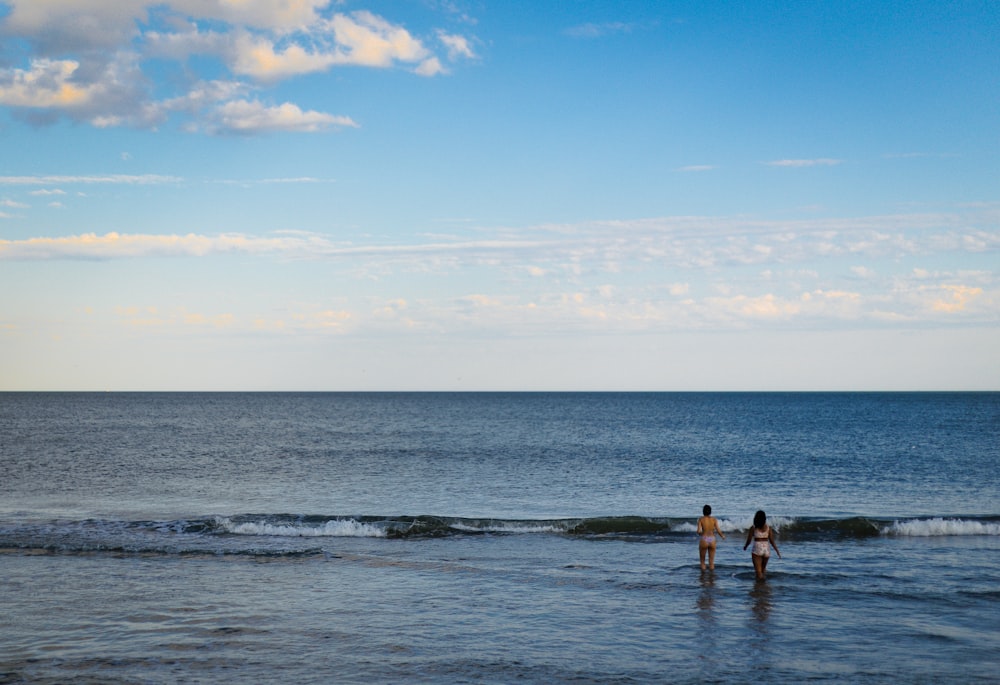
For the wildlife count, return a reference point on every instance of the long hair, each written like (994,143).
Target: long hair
(759,520)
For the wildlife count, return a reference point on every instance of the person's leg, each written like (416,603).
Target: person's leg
(711,558)
(758,568)
(763,567)
(702,549)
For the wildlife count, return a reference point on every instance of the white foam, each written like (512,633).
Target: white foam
(939,527)
(510,527)
(776,521)
(730,526)
(336,528)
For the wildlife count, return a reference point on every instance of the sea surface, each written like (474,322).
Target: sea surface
(497,537)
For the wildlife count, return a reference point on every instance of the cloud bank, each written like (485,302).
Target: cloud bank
(689,242)
(92,61)
(670,273)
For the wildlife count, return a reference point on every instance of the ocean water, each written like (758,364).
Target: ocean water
(497,537)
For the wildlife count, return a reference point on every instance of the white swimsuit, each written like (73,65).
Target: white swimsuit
(761,548)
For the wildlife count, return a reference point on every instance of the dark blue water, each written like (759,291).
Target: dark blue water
(494,537)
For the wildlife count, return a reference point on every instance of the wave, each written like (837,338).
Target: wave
(382,527)
(285,525)
(938,527)
(291,535)
(331,528)
(865,527)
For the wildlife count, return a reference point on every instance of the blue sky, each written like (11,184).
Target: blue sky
(451,195)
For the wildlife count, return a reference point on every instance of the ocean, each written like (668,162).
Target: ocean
(497,537)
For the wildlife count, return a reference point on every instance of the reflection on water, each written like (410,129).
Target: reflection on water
(760,597)
(707,635)
(706,598)
(759,625)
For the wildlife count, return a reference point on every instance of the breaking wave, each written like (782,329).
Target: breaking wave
(291,535)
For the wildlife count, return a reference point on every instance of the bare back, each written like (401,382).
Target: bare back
(708,526)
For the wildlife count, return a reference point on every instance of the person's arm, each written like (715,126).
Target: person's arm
(700,527)
(719,530)
(749,538)
(770,535)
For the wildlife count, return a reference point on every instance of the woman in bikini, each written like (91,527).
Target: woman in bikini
(708,528)
(762,537)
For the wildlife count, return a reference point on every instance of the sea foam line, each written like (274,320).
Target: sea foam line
(509,527)
(335,528)
(939,527)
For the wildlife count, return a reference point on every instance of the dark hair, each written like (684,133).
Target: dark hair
(759,519)
(706,510)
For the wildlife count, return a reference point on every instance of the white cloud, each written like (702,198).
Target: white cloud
(665,272)
(185,41)
(146,179)
(60,26)
(256,56)
(242,116)
(327,319)
(839,304)
(368,40)
(178,318)
(955,298)
(88,58)
(110,94)
(205,94)
(73,24)
(118,246)
(46,84)
(430,67)
(755,307)
(567,289)
(273,15)
(458,46)
(478,301)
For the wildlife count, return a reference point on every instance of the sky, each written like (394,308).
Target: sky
(339,195)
